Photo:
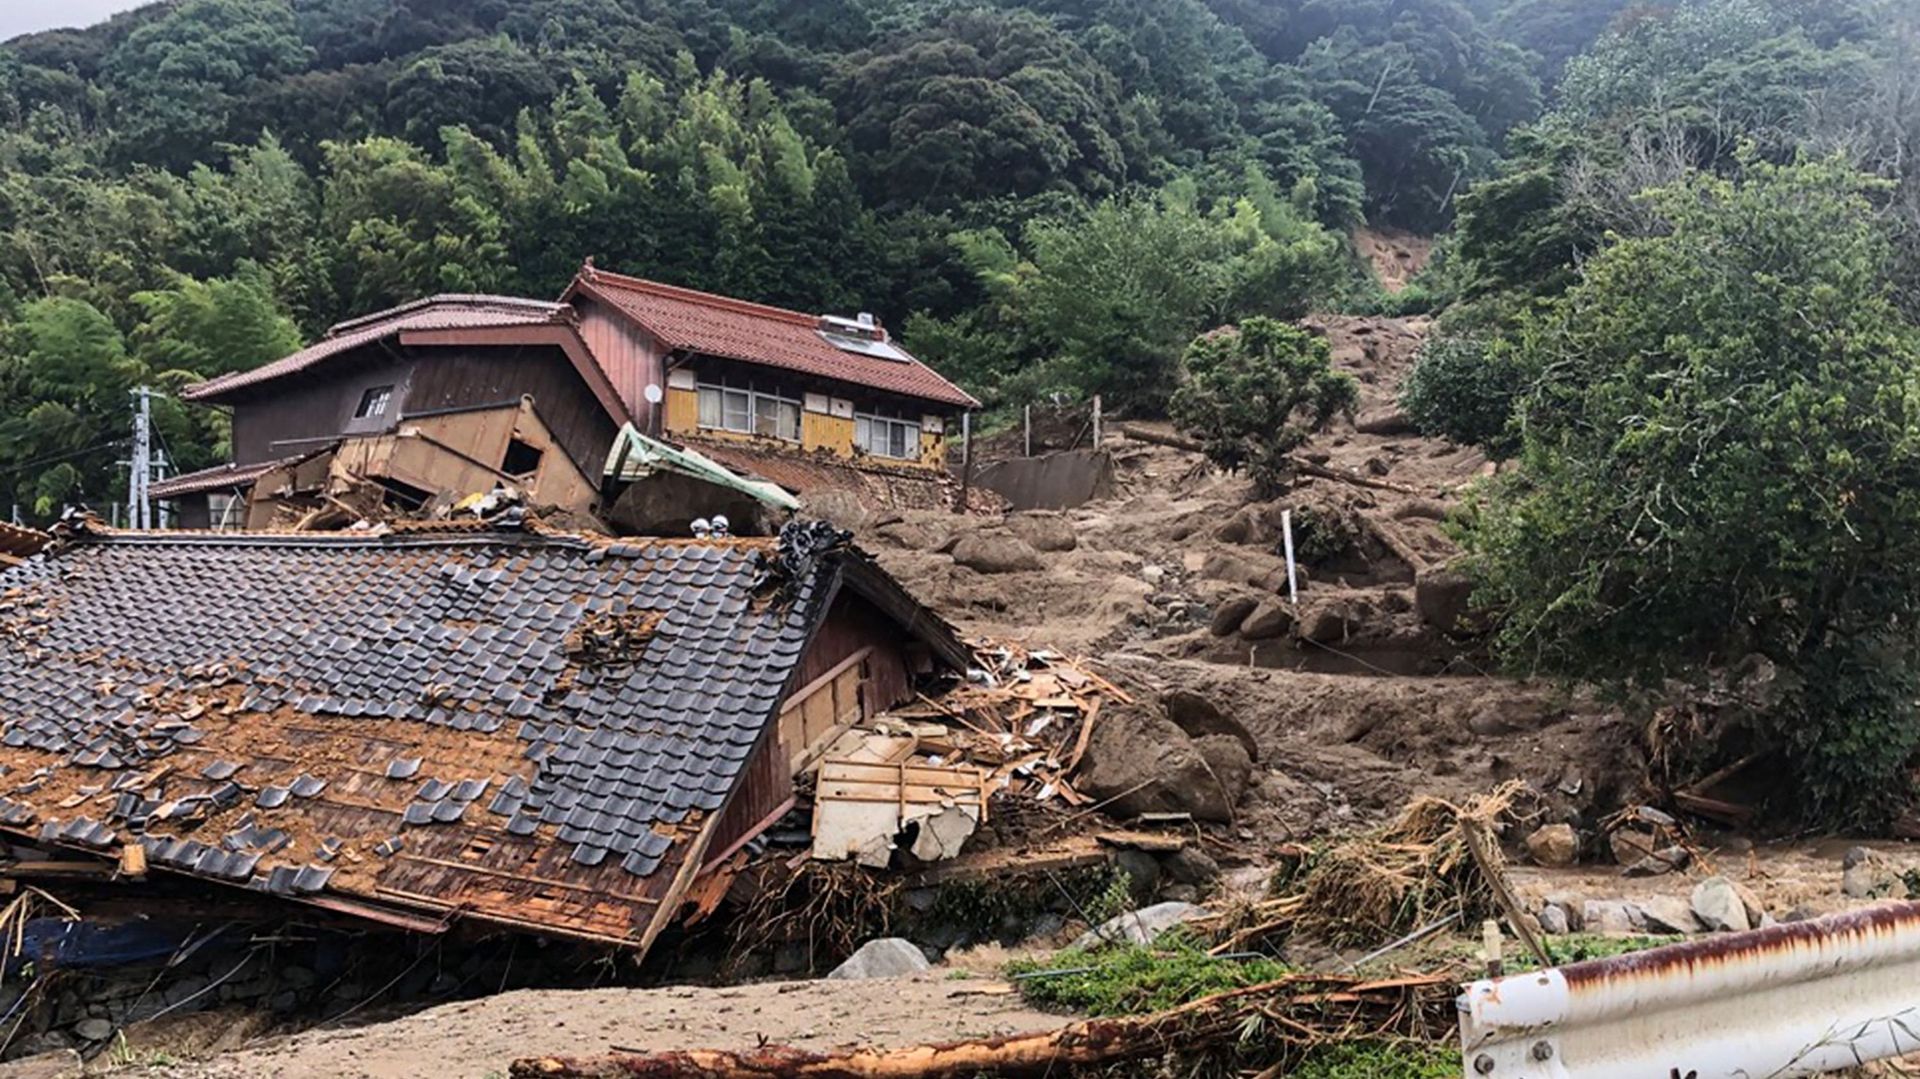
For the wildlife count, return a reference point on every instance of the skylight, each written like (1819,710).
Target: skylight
(861,346)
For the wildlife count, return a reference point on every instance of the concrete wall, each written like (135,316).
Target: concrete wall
(1057,481)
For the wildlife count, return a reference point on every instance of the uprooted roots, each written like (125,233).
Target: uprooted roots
(1368,890)
(829,907)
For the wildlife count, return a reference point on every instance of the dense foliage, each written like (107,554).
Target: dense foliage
(1722,461)
(1256,391)
(1059,194)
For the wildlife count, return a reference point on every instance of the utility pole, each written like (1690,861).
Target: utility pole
(141,470)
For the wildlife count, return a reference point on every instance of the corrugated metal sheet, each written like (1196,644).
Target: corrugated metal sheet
(685,319)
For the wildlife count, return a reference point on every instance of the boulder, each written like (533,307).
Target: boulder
(1231,613)
(1857,856)
(887,957)
(1143,926)
(1669,914)
(1443,597)
(1871,878)
(1554,845)
(1268,620)
(1570,904)
(1191,865)
(1629,845)
(1145,764)
(1044,531)
(1615,916)
(1660,862)
(93,1030)
(1325,624)
(1200,717)
(1554,922)
(995,552)
(53,1064)
(1719,907)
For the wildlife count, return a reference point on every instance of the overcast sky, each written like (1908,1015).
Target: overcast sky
(25,16)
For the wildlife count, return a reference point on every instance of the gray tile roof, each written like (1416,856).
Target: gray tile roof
(453,718)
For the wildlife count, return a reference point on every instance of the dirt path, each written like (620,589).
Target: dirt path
(477,1039)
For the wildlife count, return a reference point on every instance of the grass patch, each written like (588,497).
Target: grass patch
(1134,979)
(1580,947)
(1380,1060)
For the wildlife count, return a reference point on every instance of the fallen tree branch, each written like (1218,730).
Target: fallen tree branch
(1305,468)
(1304,1007)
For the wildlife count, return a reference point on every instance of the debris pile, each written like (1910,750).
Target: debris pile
(921,777)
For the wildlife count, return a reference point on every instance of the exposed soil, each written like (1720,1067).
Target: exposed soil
(1395,255)
(479,1038)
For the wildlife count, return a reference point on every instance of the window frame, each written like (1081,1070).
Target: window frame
(360,410)
(908,432)
(737,407)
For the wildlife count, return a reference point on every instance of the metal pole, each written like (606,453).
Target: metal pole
(966,460)
(1027,416)
(141,470)
(1293,581)
(1096,421)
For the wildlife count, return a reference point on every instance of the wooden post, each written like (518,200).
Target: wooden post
(1096,421)
(1027,423)
(966,461)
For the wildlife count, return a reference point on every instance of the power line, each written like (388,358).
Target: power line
(62,457)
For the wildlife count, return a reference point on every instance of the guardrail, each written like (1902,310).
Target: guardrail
(1788,1000)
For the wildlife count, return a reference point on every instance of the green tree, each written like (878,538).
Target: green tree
(1464,389)
(1719,461)
(1255,392)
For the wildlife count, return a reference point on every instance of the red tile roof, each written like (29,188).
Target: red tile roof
(756,333)
(443,312)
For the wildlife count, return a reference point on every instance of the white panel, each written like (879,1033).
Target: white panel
(816,402)
(842,408)
(681,378)
(932,425)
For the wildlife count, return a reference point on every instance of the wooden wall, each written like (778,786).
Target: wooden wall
(293,415)
(448,378)
(631,358)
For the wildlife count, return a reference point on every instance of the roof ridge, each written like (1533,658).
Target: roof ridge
(458,299)
(596,276)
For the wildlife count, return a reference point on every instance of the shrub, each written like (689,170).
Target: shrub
(1464,391)
(1255,392)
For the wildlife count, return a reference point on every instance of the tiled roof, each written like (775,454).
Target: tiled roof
(810,475)
(451,311)
(521,727)
(20,542)
(756,333)
(218,478)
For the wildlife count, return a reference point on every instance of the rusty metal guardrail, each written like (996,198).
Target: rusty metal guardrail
(1788,1000)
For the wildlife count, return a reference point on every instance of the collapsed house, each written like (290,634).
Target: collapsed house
(413,409)
(430,723)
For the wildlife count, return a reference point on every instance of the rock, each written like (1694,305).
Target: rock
(1180,893)
(1387,421)
(1554,921)
(1660,863)
(1629,845)
(1267,620)
(1142,870)
(1757,915)
(93,1030)
(1378,466)
(1325,624)
(1044,531)
(1857,856)
(1609,916)
(1200,717)
(1231,613)
(1153,575)
(46,1041)
(995,552)
(887,957)
(913,535)
(1145,764)
(1669,914)
(295,977)
(1556,845)
(1570,904)
(1142,926)
(1191,865)
(1719,907)
(1801,913)
(1871,879)
(1443,597)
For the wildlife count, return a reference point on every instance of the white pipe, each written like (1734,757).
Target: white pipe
(1293,581)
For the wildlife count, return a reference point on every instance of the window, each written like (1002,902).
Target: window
(749,411)
(884,436)
(521,459)
(373,403)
